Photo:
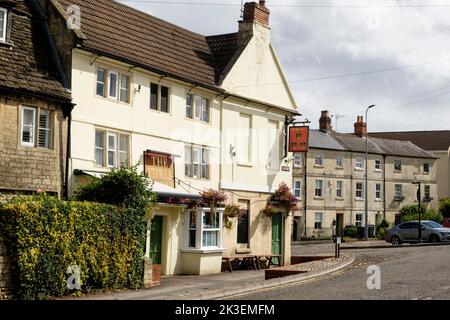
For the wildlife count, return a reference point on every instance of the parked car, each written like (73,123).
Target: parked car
(446,223)
(409,232)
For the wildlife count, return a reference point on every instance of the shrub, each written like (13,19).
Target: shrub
(351,231)
(284,198)
(411,213)
(444,208)
(45,236)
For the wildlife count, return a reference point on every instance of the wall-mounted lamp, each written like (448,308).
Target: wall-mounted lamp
(138,89)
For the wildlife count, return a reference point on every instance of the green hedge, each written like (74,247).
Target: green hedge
(46,235)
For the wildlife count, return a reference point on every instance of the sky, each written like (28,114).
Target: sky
(345,55)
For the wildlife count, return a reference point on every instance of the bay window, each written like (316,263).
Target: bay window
(205,228)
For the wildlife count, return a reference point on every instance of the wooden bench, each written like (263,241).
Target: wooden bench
(242,259)
(269,259)
(253,260)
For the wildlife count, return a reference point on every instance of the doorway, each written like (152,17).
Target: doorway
(156,239)
(277,234)
(340,225)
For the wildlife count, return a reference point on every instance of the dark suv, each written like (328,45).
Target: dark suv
(409,232)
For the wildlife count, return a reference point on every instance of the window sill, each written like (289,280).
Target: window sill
(378,200)
(8,45)
(359,169)
(201,251)
(378,170)
(318,166)
(160,112)
(339,199)
(246,164)
(339,168)
(318,198)
(359,199)
(397,171)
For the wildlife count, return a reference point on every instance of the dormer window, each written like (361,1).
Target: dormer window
(3,19)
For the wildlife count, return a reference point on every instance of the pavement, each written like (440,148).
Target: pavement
(226,284)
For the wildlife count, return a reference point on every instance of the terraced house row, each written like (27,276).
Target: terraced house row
(89,85)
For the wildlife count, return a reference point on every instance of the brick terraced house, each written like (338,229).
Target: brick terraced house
(35,103)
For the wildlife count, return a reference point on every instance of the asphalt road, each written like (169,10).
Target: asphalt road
(406,274)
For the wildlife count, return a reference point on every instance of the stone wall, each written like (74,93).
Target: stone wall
(7,287)
(28,169)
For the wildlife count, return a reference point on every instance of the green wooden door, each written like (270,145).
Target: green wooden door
(156,239)
(277,230)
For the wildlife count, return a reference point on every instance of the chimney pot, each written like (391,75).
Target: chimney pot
(257,12)
(360,127)
(325,121)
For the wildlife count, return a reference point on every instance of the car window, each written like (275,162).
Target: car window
(432,225)
(407,225)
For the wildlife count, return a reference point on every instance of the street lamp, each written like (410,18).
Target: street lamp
(366,202)
(419,196)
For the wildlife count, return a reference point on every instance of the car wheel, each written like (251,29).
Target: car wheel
(395,241)
(434,238)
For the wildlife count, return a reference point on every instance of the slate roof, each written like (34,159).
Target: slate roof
(427,140)
(27,66)
(120,32)
(382,146)
(323,140)
(350,142)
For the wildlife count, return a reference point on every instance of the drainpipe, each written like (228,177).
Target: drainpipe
(306,189)
(384,187)
(68,155)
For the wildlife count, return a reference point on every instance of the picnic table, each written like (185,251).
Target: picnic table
(252,260)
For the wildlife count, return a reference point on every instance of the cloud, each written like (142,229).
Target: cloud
(321,42)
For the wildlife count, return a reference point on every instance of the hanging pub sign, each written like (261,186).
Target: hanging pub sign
(159,167)
(298,139)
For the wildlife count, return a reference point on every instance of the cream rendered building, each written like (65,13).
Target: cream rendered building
(193,112)
(335,180)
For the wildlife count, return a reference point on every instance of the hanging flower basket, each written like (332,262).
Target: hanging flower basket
(231,212)
(282,199)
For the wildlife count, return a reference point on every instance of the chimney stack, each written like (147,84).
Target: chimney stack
(325,121)
(257,12)
(360,127)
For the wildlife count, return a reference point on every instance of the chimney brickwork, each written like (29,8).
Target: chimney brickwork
(360,127)
(325,121)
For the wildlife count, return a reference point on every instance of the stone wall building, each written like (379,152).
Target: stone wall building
(34,104)
(437,143)
(330,180)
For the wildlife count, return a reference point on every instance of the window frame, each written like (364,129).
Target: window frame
(200,229)
(359,163)
(396,194)
(318,221)
(426,165)
(378,165)
(359,190)
(104,83)
(201,164)
(339,161)
(318,156)
(298,162)
(127,88)
(316,189)
(5,24)
(159,88)
(116,73)
(245,207)
(427,192)
(32,143)
(359,222)
(298,189)
(341,189)
(378,191)
(106,148)
(48,129)
(396,167)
